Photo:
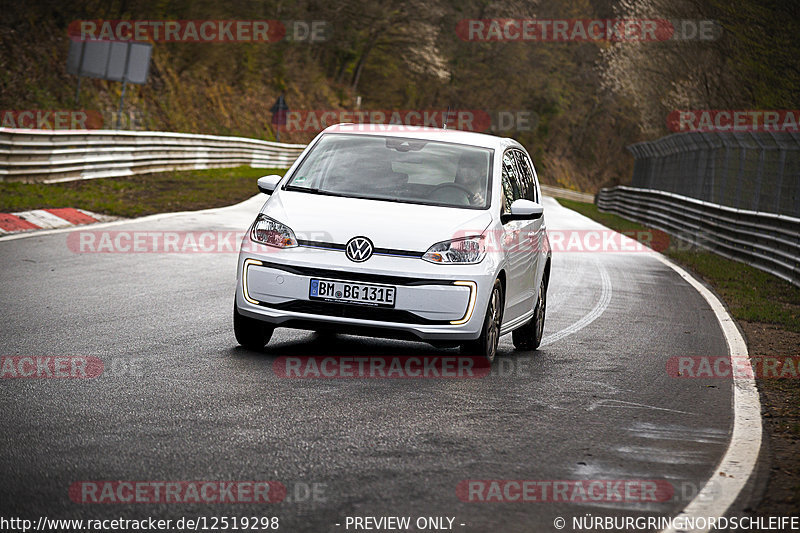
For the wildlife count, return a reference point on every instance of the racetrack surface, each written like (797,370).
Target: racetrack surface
(179,400)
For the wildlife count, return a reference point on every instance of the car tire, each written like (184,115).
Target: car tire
(486,344)
(529,336)
(250,333)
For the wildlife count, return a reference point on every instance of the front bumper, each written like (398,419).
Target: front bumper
(432,302)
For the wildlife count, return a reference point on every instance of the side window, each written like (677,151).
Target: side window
(536,187)
(510,192)
(535,179)
(528,186)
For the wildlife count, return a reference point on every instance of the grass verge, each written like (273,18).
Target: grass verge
(767,309)
(140,195)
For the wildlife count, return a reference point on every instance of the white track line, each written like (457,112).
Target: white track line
(738,463)
(591,316)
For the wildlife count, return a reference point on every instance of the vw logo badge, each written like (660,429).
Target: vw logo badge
(358,249)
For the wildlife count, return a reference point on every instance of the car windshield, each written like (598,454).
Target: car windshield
(397,169)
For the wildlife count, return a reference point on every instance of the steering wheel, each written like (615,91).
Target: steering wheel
(467,192)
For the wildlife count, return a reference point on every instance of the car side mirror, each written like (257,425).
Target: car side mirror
(268,184)
(523,210)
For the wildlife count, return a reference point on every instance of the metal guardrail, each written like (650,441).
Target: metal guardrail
(48,156)
(770,242)
(567,194)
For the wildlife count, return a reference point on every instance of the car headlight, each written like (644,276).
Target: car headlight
(272,233)
(465,251)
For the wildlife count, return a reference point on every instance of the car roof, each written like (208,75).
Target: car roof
(421,132)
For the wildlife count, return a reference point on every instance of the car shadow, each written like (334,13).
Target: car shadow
(332,344)
(304,346)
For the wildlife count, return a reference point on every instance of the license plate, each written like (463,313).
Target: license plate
(352,293)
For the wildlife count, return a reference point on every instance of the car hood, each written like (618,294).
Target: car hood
(395,225)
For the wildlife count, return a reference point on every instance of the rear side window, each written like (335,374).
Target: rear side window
(510,178)
(527,181)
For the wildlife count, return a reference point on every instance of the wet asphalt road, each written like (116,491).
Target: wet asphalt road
(180,401)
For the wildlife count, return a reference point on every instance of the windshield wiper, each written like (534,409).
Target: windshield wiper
(312,190)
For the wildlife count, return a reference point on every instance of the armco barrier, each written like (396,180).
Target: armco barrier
(767,241)
(567,194)
(48,156)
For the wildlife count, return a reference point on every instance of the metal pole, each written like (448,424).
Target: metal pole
(121,101)
(80,69)
(124,84)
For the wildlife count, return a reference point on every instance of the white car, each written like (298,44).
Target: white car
(423,233)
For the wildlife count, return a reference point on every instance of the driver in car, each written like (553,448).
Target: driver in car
(471,175)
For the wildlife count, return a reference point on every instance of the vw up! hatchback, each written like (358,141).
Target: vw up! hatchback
(437,235)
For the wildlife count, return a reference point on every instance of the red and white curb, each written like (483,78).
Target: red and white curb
(61,217)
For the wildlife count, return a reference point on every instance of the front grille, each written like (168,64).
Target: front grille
(353,276)
(353,311)
(376,251)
